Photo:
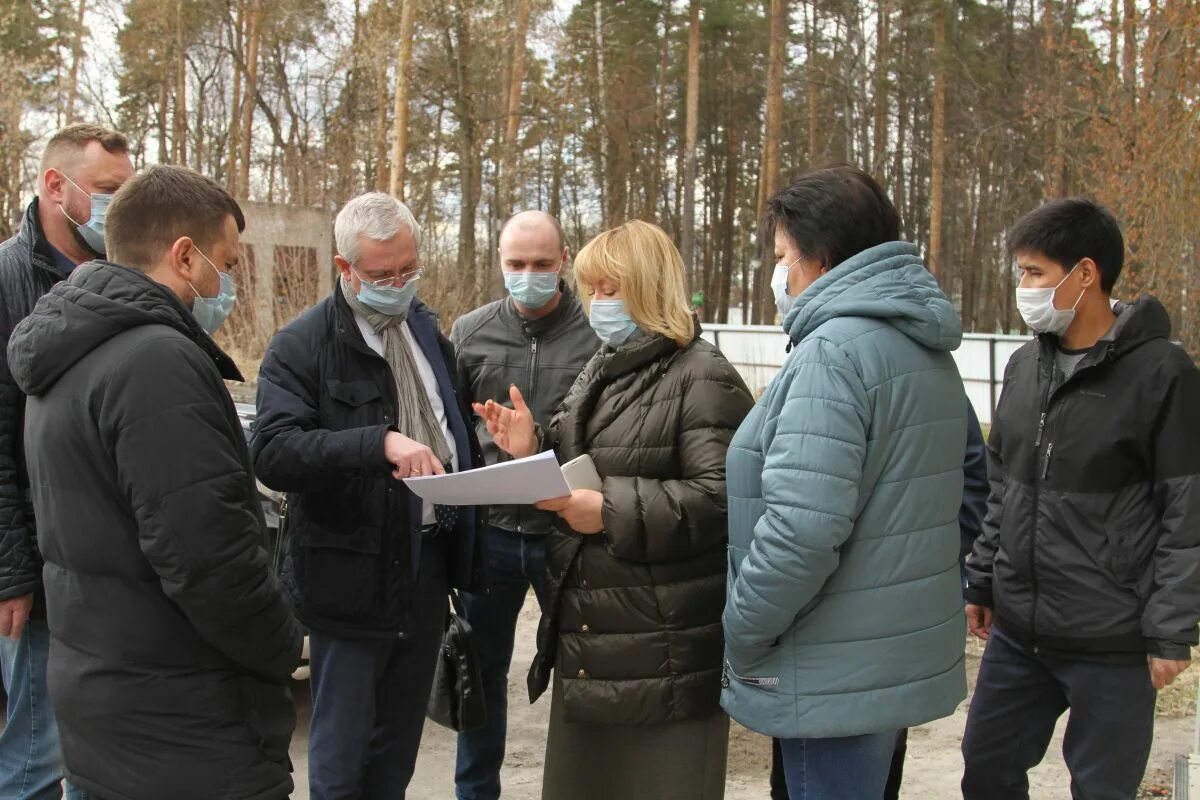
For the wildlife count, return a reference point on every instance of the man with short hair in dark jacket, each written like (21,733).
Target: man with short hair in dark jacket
(354,396)
(80,169)
(172,643)
(1086,578)
(538,339)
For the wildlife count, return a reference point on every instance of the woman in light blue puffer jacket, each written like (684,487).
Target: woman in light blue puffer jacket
(843,622)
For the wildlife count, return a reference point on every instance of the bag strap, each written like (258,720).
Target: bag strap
(456,603)
(280,536)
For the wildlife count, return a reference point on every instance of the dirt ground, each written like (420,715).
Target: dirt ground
(932,770)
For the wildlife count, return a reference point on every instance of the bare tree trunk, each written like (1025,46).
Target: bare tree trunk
(938,145)
(164,155)
(812,88)
(179,123)
(508,164)
(253,39)
(1129,65)
(602,111)
(76,57)
(883,46)
(688,233)
(400,116)
(235,118)
(660,120)
(456,30)
(768,175)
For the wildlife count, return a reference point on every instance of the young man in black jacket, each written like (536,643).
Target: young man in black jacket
(172,643)
(81,168)
(537,338)
(354,396)
(1086,578)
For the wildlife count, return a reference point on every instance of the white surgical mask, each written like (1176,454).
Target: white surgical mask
(1037,309)
(779,285)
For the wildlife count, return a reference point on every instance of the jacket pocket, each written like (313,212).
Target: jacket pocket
(341,576)
(353,393)
(269,710)
(758,678)
(352,404)
(1123,560)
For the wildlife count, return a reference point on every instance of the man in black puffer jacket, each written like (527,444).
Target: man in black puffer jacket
(81,167)
(1089,560)
(171,641)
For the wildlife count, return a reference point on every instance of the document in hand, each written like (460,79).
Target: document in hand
(520,482)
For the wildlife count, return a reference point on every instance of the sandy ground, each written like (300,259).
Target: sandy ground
(932,770)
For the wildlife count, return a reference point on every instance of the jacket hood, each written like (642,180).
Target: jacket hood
(100,300)
(887,282)
(1138,322)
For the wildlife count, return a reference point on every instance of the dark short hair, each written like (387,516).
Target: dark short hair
(70,141)
(1068,231)
(158,206)
(833,213)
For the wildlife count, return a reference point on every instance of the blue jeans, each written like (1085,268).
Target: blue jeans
(31,764)
(1019,696)
(845,768)
(515,562)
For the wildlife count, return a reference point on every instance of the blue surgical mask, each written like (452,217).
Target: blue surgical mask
(211,312)
(392,301)
(91,233)
(532,289)
(611,322)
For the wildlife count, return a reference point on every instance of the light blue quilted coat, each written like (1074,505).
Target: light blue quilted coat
(844,608)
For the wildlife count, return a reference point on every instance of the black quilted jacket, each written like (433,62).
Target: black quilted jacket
(27,271)
(171,643)
(633,622)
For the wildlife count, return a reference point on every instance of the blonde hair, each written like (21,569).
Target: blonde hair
(644,262)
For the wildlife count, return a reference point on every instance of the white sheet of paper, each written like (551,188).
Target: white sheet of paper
(520,482)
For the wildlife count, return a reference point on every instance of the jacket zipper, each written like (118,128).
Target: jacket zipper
(751,680)
(529,401)
(1039,476)
(1033,522)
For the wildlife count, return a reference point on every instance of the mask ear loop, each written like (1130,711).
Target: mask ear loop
(1082,291)
(214,266)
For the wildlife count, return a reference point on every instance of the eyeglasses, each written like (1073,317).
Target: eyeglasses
(393,280)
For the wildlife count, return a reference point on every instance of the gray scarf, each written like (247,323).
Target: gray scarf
(414,413)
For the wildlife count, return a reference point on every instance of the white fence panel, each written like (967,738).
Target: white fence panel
(758,351)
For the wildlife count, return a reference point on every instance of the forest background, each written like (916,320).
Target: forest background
(689,113)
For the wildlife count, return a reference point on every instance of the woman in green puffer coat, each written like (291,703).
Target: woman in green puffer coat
(632,625)
(844,619)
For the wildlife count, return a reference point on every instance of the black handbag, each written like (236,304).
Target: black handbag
(456,701)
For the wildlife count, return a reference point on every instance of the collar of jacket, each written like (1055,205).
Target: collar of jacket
(33,237)
(642,351)
(346,326)
(177,315)
(568,306)
(1138,322)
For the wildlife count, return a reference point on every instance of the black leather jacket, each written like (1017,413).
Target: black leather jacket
(497,347)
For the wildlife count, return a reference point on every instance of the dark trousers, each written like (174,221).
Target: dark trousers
(515,562)
(1021,694)
(370,695)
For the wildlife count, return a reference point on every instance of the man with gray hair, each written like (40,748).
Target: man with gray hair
(355,395)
